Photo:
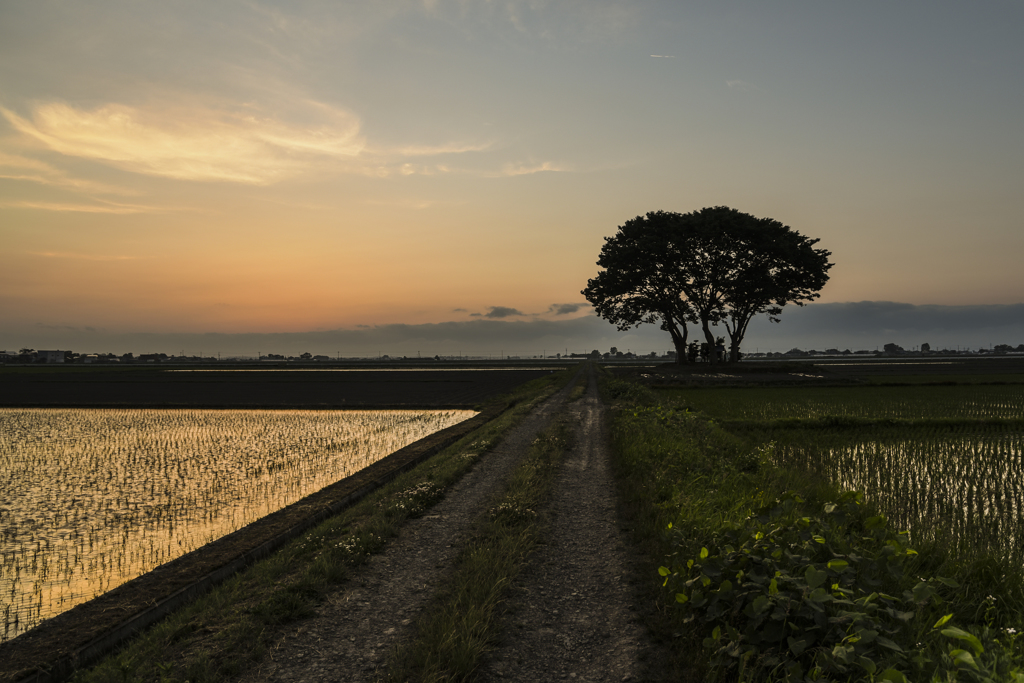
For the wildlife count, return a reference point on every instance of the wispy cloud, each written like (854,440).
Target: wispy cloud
(195,143)
(208,144)
(67,183)
(36,171)
(17,161)
(664,56)
(82,208)
(438,150)
(527,169)
(82,257)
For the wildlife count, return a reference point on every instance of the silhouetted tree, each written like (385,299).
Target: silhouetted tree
(712,266)
(639,283)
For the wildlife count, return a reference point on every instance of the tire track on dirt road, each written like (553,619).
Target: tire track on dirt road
(571,613)
(352,631)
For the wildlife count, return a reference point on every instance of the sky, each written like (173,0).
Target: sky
(389,176)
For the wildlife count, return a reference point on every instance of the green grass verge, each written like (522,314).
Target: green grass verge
(774,574)
(460,625)
(225,631)
(858,402)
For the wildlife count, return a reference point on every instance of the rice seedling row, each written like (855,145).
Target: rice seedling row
(965,490)
(91,498)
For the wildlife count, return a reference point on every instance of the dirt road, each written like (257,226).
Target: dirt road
(570,616)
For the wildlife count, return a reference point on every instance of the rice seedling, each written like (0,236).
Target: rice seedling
(965,490)
(91,498)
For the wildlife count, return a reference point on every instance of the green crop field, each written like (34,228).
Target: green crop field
(945,462)
(968,401)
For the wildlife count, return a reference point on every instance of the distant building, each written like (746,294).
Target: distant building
(50,356)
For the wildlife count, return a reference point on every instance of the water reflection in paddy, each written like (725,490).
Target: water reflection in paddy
(91,498)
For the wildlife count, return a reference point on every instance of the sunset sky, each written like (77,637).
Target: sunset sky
(258,171)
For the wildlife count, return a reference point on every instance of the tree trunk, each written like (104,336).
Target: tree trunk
(736,334)
(734,343)
(678,339)
(712,346)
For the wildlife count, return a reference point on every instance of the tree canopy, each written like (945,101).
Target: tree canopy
(708,267)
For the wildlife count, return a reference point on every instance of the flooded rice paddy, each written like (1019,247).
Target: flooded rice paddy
(92,498)
(967,489)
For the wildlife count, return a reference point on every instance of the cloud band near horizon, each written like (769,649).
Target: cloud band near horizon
(855,325)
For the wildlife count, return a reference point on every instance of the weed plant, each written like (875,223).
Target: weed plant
(775,574)
(228,629)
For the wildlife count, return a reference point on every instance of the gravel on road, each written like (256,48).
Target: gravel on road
(569,616)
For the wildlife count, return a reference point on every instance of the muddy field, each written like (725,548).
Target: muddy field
(144,387)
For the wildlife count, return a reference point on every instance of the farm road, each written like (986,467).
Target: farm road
(570,614)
